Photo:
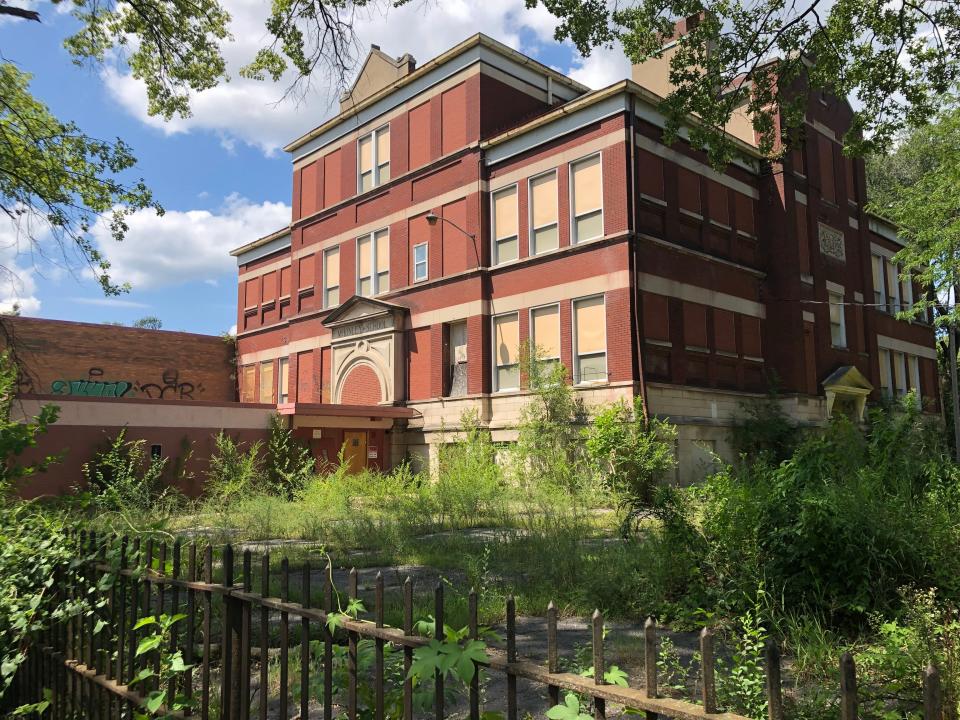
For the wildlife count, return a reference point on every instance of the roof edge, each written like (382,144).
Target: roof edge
(253,245)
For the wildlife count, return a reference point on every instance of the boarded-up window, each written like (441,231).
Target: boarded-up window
(306,272)
(308,189)
(283,390)
(266,382)
(886,374)
(688,189)
(332,180)
(724,331)
(694,325)
(331,277)
(419,149)
(879,289)
(270,287)
(803,238)
(586,188)
(251,293)
(744,208)
(719,203)
(373,263)
(543,213)
(505,243)
(850,169)
(545,331)
(248,384)
(506,351)
(650,174)
(913,366)
(656,317)
(589,340)
(305,382)
(285,282)
(453,110)
(828,190)
(373,159)
(750,331)
(929,369)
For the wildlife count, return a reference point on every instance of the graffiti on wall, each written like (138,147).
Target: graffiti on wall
(170,387)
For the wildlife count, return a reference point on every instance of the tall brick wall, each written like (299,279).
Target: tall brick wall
(71,358)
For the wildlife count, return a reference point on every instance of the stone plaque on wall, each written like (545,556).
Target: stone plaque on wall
(832,243)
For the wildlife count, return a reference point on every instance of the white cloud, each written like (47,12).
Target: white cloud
(108,302)
(19,260)
(184,246)
(604,66)
(232,330)
(252,112)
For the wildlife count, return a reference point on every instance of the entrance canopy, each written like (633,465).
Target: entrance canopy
(847,390)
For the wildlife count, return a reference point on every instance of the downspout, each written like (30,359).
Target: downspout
(634,255)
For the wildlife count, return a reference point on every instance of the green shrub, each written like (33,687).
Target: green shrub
(765,432)
(469,484)
(632,453)
(122,476)
(290,464)
(233,472)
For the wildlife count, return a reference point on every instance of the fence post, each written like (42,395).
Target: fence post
(407,650)
(511,658)
(650,661)
(599,666)
(553,660)
(932,698)
(227,678)
(440,635)
(774,687)
(474,629)
(848,687)
(352,645)
(707,672)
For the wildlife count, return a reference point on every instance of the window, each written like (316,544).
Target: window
(248,384)
(838,321)
(893,285)
(373,264)
(331,277)
(879,291)
(373,159)
(156,452)
(420,262)
(886,376)
(266,382)
(545,333)
(589,340)
(906,291)
(900,373)
(284,370)
(586,199)
(913,363)
(544,235)
(505,243)
(506,352)
(457,380)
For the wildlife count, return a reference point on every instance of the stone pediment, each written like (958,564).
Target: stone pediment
(848,377)
(848,385)
(358,308)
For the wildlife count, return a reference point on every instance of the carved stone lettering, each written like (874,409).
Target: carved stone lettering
(362,327)
(832,243)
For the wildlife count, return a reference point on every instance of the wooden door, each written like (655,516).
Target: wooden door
(356,450)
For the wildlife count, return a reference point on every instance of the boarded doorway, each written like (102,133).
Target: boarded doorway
(356,450)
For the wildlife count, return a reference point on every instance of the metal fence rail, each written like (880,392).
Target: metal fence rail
(86,665)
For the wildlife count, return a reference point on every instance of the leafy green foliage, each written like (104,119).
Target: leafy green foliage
(468,481)
(233,472)
(741,681)
(290,464)
(171,667)
(571,709)
(17,436)
(896,61)
(122,476)
(632,452)
(764,432)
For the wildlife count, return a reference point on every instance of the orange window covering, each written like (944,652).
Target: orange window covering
(383,252)
(587,189)
(505,212)
(284,370)
(306,271)
(331,259)
(546,330)
(266,382)
(506,333)
(363,256)
(543,196)
(366,153)
(591,325)
(248,384)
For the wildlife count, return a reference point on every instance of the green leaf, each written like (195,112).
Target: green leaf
(148,644)
(154,700)
(143,622)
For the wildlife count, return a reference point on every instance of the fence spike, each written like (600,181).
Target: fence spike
(848,687)
(407,650)
(553,655)
(474,630)
(932,698)
(774,685)
(707,676)
(264,636)
(650,656)
(511,657)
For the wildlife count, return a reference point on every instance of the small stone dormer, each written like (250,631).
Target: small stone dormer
(379,71)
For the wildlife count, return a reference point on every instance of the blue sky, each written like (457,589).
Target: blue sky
(221,175)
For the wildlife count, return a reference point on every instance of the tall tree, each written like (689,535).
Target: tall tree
(918,188)
(897,59)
